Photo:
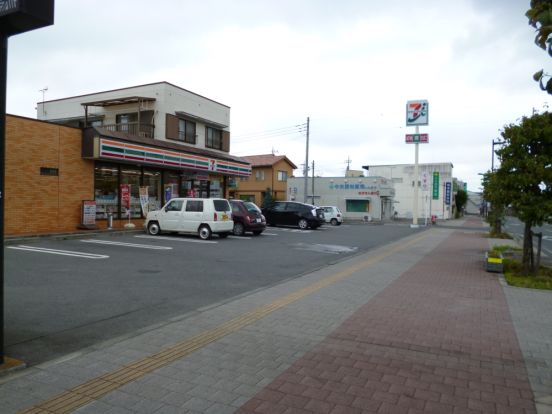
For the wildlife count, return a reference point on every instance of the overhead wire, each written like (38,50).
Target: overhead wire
(254,136)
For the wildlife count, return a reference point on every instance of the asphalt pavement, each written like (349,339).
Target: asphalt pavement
(65,294)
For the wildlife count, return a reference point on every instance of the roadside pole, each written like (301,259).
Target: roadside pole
(3,81)
(306,171)
(416,181)
(15,17)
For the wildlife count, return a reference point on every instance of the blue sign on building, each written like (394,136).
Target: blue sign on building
(447,194)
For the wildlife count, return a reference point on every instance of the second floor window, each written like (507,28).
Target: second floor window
(213,138)
(282,175)
(259,175)
(186,131)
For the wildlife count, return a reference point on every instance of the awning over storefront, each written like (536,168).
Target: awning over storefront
(101,144)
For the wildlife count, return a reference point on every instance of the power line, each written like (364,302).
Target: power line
(277,131)
(263,137)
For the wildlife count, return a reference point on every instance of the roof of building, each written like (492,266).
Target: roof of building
(129,88)
(267,160)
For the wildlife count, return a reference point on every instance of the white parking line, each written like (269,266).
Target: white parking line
(179,239)
(239,237)
(60,252)
(268,234)
(139,246)
(288,230)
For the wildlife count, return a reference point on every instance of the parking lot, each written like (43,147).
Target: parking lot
(64,295)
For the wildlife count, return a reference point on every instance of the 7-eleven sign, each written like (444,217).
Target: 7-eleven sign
(417,113)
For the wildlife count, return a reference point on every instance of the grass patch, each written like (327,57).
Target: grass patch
(505,248)
(493,235)
(514,277)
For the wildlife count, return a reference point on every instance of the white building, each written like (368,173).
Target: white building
(158,138)
(358,198)
(435,188)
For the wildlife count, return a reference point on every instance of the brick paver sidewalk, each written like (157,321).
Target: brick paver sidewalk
(439,339)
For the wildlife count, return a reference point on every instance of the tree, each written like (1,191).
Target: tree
(540,17)
(525,176)
(498,199)
(268,199)
(461,199)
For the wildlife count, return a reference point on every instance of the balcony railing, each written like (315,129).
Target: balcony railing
(132,128)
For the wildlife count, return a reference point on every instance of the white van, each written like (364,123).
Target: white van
(203,216)
(332,215)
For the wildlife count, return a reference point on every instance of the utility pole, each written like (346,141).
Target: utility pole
(313,182)
(306,172)
(497,142)
(43,96)
(348,162)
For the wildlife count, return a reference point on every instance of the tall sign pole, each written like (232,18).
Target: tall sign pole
(416,114)
(306,172)
(16,16)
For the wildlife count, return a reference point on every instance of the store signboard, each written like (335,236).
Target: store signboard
(448,194)
(435,195)
(416,138)
(88,213)
(417,112)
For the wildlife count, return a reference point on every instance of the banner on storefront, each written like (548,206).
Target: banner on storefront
(447,194)
(125,197)
(144,200)
(436,185)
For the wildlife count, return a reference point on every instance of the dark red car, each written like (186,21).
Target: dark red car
(247,218)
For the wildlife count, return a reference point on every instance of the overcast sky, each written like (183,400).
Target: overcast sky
(348,65)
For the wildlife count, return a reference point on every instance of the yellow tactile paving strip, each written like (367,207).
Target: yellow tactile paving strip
(95,389)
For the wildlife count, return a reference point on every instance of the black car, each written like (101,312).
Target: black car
(247,217)
(292,213)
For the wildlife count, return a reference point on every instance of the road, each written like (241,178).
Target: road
(64,295)
(515,227)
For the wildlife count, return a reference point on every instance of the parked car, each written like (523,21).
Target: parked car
(247,217)
(203,216)
(332,215)
(292,213)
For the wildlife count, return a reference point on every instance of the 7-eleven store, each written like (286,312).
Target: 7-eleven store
(159,172)
(54,173)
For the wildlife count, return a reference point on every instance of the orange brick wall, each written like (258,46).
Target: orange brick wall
(34,203)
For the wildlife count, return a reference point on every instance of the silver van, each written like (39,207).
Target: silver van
(203,216)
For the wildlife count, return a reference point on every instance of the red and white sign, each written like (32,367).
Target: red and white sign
(416,138)
(125,195)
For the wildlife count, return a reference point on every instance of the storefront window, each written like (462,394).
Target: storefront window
(106,190)
(131,176)
(171,179)
(357,206)
(152,179)
(215,189)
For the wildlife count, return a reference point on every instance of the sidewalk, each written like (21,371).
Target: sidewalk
(415,326)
